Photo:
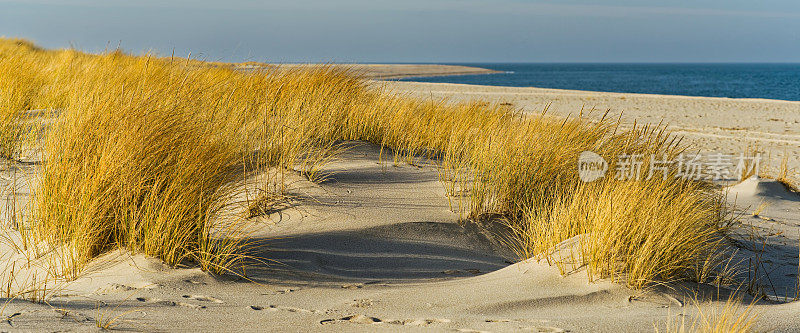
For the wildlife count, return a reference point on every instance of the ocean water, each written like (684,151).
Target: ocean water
(773,81)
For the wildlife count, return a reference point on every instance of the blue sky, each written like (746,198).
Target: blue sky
(420,31)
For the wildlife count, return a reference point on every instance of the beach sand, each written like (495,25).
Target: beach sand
(377,247)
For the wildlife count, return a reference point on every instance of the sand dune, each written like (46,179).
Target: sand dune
(376,247)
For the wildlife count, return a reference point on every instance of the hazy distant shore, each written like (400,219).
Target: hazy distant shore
(399,71)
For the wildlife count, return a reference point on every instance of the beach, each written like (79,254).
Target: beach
(378,246)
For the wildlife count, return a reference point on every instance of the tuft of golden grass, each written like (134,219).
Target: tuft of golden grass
(785,176)
(731,317)
(639,232)
(108,319)
(147,152)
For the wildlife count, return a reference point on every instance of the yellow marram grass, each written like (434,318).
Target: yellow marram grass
(636,231)
(146,152)
(732,316)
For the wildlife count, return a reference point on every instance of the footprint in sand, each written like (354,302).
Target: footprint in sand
(540,329)
(203,298)
(356,319)
(75,316)
(156,301)
(547,329)
(191,306)
(361,303)
(165,302)
(117,287)
(282,308)
(281,292)
(362,319)
(499,321)
(353,286)
(114,287)
(419,322)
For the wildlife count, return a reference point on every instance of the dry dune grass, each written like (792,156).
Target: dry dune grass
(636,231)
(146,149)
(786,177)
(18,92)
(732,316)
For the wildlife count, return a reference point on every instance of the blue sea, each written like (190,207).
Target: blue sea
(773,81)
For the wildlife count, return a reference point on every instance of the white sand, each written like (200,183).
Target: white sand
(377,248)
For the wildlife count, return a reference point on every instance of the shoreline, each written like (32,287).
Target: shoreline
(504,89)
(392,72)
(400,71)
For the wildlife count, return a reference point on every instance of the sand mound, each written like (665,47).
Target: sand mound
(762,189)
(768,245)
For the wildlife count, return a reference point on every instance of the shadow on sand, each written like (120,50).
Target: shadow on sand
(390,253)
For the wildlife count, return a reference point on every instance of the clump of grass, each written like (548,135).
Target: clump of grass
(638,232)
(144,169)
(109,318)
(785,176)
(267,203)
(17,94)
(731,317)
(757,212)
(148,178)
